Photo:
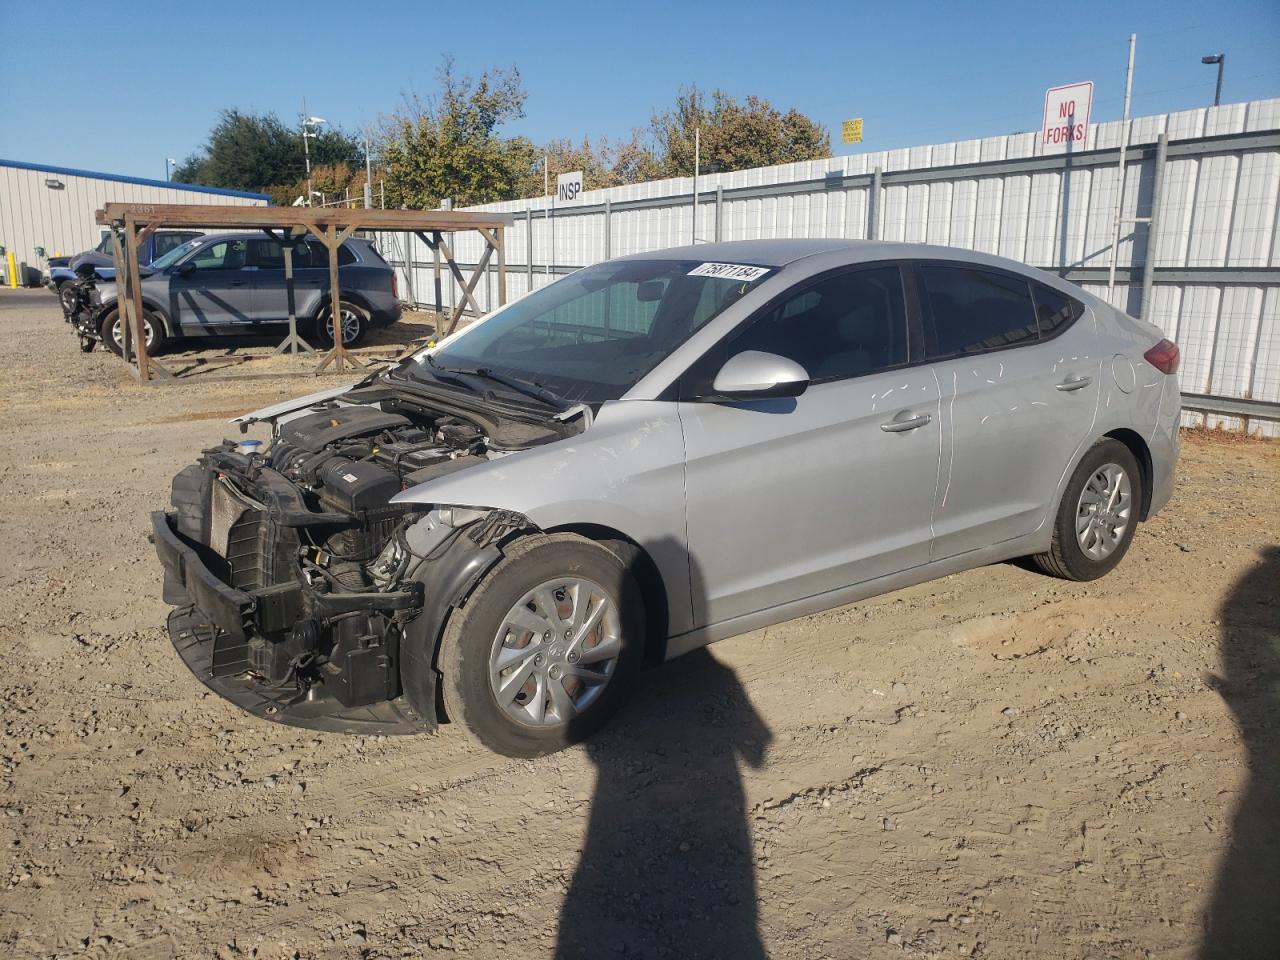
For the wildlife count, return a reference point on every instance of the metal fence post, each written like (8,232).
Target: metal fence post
(873,204)
(608,229)
(1153,225)
(719,211)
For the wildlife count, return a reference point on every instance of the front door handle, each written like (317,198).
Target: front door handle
(1077,383)
(901,423)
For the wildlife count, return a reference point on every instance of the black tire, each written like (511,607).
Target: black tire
(66,297)
(87,344)
(470,635)
(1066,558)
(110,333)
(355,324)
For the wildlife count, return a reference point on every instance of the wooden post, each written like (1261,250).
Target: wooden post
(135,301)
(334,239)
(499,236)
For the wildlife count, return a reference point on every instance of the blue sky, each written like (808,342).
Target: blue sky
(917,72)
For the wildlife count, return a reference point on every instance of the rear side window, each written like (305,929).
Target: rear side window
(1055,311)
(844,326)
(976,310)
(320,255)
(266,255)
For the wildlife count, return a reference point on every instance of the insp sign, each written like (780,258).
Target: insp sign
(1066,117)
(568,186)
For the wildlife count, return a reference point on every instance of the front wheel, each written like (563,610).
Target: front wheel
(1098,514)
(67,297)
(546,649)
(113,335)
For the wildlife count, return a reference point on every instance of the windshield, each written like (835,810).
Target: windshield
(591,336)
(174,255)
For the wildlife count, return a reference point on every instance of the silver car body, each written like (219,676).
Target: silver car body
(758,512)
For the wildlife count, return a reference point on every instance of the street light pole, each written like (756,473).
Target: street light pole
(307,134)
(1221,60)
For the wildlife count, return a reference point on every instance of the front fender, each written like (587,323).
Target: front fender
(624,473)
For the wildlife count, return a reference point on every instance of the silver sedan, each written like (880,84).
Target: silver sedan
(672,448)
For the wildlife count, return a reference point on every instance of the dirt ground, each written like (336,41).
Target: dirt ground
(997,764)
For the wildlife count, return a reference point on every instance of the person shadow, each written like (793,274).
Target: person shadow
(1243,918)
(667,868)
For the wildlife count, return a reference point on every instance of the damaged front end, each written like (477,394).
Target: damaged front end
(303,594)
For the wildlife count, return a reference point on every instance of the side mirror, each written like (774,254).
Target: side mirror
(187,268)
(754,375)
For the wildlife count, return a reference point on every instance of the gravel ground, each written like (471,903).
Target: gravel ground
(996,764)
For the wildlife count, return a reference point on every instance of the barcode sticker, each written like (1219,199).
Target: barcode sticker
(729,271)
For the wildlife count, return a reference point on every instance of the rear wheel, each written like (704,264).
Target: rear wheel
(354,321)
(1098,514)
(113,335)
(546,649)
(87,344)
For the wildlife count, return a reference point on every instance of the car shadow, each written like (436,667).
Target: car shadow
(667,868)
(1243,916)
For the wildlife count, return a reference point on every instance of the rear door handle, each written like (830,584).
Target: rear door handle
(909,422)
(1066,386)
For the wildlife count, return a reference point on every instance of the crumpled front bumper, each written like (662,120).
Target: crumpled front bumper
(213,618)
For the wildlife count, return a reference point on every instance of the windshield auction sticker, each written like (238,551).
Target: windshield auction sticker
(729,271)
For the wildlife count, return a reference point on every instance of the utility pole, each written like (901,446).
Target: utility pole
(1221,60)
(307,123)
(169,164)
(697,162)
(1124,145)
(551,208)
(368,173)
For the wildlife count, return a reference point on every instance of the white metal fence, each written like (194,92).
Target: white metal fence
(1212,252)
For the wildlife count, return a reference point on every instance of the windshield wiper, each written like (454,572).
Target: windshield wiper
(529,388)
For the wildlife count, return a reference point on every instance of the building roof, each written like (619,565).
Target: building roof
(141,181)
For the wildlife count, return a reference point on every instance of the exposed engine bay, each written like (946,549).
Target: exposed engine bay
(300,584)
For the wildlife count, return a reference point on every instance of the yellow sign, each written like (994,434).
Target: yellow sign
(851,131)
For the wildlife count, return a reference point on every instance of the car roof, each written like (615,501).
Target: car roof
(783,252)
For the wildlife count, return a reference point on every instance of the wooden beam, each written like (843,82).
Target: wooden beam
(251,218)
(467,286)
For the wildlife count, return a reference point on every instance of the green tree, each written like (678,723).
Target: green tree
(603,164)
(735,135)
(450,147)
(248,151)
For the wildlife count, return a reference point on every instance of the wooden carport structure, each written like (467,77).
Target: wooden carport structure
(132,223)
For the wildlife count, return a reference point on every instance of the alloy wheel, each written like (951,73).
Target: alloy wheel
(555,652)
(350,325)
(1103,512)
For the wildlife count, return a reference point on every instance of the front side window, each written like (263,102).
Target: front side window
(974,311)
(592,336)
(847,325)
(223,255)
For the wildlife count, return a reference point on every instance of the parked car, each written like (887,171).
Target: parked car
(233,283)
(62,270)
(652,454)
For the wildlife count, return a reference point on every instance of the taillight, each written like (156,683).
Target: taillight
(1164,356)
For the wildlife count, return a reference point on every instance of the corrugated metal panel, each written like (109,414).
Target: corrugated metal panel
(61,219)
